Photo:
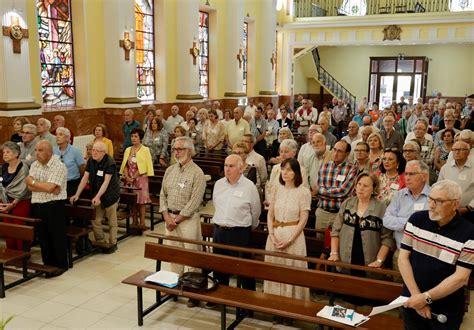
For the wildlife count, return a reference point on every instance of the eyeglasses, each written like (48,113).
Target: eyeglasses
(408,150)
(448,120)
(361,150)
(437,201)
(178,149)
(61,158)
(459,149)
(95,150)
(412,173)
(392,149)
(26,132)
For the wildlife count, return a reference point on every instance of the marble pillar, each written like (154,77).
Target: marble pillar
(16,96)
(266,26)
(120,72)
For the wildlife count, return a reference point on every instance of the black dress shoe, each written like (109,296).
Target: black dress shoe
(210,305)
(110,250)
(55,273)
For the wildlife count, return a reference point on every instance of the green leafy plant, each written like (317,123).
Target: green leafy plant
(3,322)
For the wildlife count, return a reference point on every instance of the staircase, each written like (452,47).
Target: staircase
(330,83)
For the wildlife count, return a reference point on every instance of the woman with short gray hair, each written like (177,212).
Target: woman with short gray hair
(14,193)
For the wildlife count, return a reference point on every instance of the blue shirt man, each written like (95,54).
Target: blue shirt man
(127,127)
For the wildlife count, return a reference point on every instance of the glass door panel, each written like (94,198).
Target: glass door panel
(386,91)
(403,87)
(418,83)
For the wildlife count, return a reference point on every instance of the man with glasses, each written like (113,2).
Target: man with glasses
(181,195)
(320,156)
(306,151)
(335,182)
(352,133)
(412,198)
(417,114)
(27,147)
(258,127)
(256,160)
(101,174)
(427,146)
(461,170)
(391,138)
(436,261)
(449,123)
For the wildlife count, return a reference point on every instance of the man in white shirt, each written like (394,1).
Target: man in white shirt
(250,108)
(175,119)
(272,127)
(237,212)
(306,115)
(306,150)
(257,160)
(216,106)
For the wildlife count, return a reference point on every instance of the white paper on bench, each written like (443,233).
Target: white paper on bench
(163,277)
(394,304)
(357,318)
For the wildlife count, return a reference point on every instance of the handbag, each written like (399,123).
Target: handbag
(194,281)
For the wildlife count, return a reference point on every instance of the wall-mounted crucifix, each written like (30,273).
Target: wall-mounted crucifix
(194,51)
(240,57)
(127,45)
(16,33)
(273,60)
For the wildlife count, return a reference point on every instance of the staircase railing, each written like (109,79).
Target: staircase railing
(331,83)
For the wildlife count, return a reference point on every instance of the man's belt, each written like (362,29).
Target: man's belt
(331,211)
(174,212)
(230,228)
(277,223)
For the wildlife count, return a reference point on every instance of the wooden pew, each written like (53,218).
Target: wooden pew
(259,301)
(80,228)
(20,232)
(154,186)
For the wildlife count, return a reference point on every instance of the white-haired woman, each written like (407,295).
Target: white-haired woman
(14,193)
(283,134)
(214,132)
(288,149)
(203,117)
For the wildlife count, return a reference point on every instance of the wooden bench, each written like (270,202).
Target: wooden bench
(20,232)
(259,301)
(80,228)
(154,186)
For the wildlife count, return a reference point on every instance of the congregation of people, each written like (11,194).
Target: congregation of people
(392,187)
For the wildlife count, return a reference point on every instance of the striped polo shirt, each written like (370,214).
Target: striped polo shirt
(436,252)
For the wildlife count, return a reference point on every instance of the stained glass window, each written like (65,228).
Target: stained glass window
(245,50)
(145,49)
(56,53)
(203,58)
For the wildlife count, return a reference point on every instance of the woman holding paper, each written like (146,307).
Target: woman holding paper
(358,236)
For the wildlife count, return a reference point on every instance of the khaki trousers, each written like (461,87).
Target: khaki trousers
(190,229)
(111,214)
(324,218)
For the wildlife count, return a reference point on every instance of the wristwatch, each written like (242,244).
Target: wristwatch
(428,298)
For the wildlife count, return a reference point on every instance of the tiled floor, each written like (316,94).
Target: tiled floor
(91,296)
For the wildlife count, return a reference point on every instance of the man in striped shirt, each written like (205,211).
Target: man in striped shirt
(335,182)
(436,260)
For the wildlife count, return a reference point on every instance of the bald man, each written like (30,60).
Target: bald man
(48,182)
(60,121)
(127,127)
(236,128)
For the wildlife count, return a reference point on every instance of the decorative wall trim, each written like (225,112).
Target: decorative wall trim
(235,94)
(189,97)
(121,100)
(267,93)
(19,105)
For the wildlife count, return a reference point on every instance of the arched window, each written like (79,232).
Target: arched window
(145,49)
(245,48)
(56,53)
(203,58)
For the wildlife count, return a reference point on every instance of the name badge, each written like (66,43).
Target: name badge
(193,135)
(395,186)
(241,129)
(157,139)
(28,157)
(424,148)
(181,185)
(285,124)
(462,176)
(238,193)
(259,126)
(100,173)
(418,206)
(340,177)
(134,159)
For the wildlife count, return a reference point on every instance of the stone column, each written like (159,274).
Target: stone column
(16,96)
(234,18)
(120,76)
(187,20)
(266,27)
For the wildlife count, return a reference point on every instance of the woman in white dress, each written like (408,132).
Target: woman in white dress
(290,204)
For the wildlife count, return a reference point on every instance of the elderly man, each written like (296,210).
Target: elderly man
(47,182)
(408,200)
(236,129)
(436,261)
(60,121)
(353,133)
(216,106)
(237,206)
(391,138)
(174,119)
(181,195)
(449,123)
(71,157)
(361,113)
(101,174)
(427,146)
(339,115)
(256,160)
(306,151)
(321,155)
(272,128)
(128,126)
(27,147)
(417,114)
(258,127)
(250,108)
(44,125)
(189,115)
(335,182)
(305,115)
(323,123)
(461,170)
